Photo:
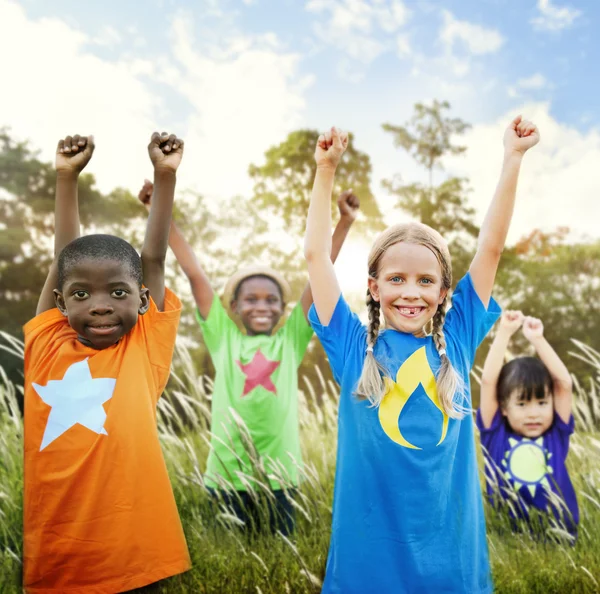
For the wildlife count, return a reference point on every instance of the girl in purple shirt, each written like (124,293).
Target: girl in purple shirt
(526,422)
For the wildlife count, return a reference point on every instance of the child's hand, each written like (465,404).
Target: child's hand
(511,321)
(165,152)
(520,136)
(348,205)
(145,194)
(533,329)
(73,153)
(330,148)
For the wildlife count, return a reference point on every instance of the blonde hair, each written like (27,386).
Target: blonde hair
(372,384)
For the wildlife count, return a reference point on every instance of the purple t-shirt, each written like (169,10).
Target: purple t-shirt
(531,466)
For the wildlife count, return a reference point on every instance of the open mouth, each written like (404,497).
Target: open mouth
(103,330)
(409,312)
(261,320)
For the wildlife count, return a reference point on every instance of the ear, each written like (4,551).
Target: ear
(144,301)
(233,304)
(59,301)
(503,411)
(443,294)
(374,288)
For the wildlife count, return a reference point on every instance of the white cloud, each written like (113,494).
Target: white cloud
(68,90)
(403,46)
(554,18)
(359,28)
(555,188)
(244,101)
(108,37)
(230,102)
(536,81)
(477,39)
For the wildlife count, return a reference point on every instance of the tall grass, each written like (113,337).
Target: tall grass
(228,559)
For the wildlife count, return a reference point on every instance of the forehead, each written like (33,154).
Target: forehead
(518,395)
(99,271)
(259,286)
(409,258)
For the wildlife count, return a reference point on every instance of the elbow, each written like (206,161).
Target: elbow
(563,385)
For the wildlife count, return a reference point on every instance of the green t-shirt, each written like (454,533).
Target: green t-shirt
(257,377)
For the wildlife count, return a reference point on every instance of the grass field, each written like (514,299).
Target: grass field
(226,561)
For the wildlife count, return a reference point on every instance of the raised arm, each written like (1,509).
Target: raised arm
(165,153)
(199,282)
(348,205)
(72,155)
(317,242)
(520,136)
(510,322)
(533,329)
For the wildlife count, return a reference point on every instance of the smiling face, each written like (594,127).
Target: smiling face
(101,300)
(530,418)
(408,286)
(259,304)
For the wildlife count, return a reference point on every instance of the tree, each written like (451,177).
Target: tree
(427,138)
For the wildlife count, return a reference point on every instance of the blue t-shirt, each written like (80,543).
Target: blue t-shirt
(407,505)
(531,467)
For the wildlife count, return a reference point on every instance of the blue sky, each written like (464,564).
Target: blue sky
(567,56)
(234,77)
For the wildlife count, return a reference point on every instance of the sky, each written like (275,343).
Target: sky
(234,77)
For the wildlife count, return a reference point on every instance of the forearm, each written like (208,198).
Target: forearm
(495,358)
(494,229)
(339,236)
(157,230)
(66,211)
(318,224)
(557,369)
(184,253)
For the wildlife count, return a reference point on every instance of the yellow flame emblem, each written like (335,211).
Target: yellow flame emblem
(414,371)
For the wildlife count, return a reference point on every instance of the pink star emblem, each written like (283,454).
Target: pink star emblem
(258,373)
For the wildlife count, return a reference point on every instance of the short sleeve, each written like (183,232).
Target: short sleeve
(344,331)
(298,331)
(41,334)
(160,332)
(496,431)
(563,431)
(217,327)
(468,321)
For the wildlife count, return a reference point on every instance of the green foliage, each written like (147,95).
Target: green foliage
(284,183)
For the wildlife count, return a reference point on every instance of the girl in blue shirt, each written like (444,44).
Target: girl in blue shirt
(407,507)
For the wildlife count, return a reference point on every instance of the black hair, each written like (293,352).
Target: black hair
(526,374)
(99,247)
(236,292)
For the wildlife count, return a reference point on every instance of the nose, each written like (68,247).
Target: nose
(409,291)
(101,307)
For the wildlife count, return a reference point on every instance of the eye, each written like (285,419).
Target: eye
(396,279)
(426,281)
(119,293)
(80,295)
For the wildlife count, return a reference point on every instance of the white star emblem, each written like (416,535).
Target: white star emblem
(76,398)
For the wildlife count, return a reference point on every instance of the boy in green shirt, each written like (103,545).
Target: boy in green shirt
(256,373)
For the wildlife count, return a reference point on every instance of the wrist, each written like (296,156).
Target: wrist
(326,168)
(513,156)
(67,174)
(346,221)
(164,174)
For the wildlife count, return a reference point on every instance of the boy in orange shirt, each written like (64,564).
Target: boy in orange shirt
(99,511)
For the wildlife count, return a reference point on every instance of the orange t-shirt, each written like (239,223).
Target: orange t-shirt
(99,512)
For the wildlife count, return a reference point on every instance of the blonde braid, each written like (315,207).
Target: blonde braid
(448,381)
(371,385)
